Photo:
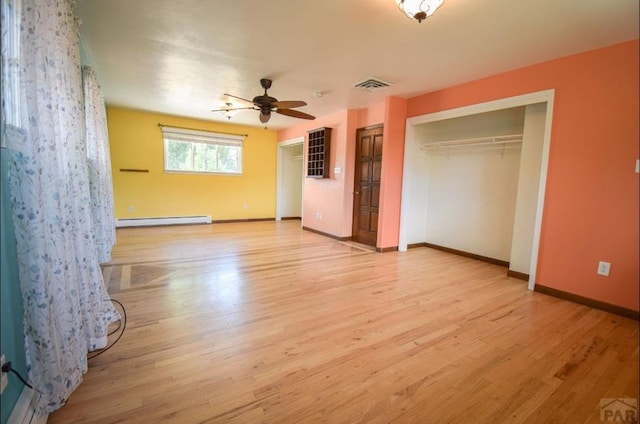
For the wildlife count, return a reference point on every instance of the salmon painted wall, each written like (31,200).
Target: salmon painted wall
(591,202)
(136,142)
(372,116)
(392,162)
(333,197)
(326,196)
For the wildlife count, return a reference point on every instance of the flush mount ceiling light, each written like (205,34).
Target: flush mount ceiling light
(418,9)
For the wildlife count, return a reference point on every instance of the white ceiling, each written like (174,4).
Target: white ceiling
(180,57)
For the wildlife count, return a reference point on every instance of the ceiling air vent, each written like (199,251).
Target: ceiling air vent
(371,84)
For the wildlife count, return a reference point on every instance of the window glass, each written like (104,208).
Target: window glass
(202,151)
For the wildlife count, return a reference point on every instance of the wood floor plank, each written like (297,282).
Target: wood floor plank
(263,322)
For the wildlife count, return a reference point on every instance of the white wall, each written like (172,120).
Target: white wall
(486,124)
(414,188)
(464,201)
(528,183)
(291,181)
(471,202)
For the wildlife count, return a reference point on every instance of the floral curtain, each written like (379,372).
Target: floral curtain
(99,164)
(66,307)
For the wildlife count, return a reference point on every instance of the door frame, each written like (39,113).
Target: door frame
(279,177)
(412,136)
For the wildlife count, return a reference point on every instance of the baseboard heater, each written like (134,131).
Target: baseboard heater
(169,220)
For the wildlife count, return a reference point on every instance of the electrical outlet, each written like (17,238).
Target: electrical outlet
(131,208)
(604,268)
(5,375)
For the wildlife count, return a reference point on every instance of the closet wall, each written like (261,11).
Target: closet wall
(528,187)
(472,166)
(471,183)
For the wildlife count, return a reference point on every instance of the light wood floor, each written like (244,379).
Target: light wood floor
(265,323)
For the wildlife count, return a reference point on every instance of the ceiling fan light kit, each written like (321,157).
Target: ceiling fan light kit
(267,104)
(419,9)
(229,111)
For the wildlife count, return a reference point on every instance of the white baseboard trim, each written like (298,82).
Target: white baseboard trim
(170,220)
(23,411)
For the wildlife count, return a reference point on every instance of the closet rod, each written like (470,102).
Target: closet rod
(510,138)
(473,149)
(441,146)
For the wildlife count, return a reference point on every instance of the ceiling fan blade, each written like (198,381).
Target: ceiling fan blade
(295,114)
(239,98)
(288,104)
(264,118)
(231,108)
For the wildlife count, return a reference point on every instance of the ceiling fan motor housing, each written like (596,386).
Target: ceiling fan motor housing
(264,101)
(267,104)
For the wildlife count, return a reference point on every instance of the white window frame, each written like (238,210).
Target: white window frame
(201,137)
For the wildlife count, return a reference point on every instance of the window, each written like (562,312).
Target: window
(201,151)
(10,64)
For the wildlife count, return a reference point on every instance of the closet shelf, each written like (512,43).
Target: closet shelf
(501,142)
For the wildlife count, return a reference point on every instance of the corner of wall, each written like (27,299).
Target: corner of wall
(11,336)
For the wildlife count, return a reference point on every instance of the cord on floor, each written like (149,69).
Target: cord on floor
(122,324)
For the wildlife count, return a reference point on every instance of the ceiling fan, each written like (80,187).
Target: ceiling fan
(267,104)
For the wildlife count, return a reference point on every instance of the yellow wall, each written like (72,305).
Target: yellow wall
(136,142)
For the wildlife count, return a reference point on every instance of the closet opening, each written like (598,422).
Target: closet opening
(474,178)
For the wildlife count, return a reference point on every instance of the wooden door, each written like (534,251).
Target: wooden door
(366,187)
